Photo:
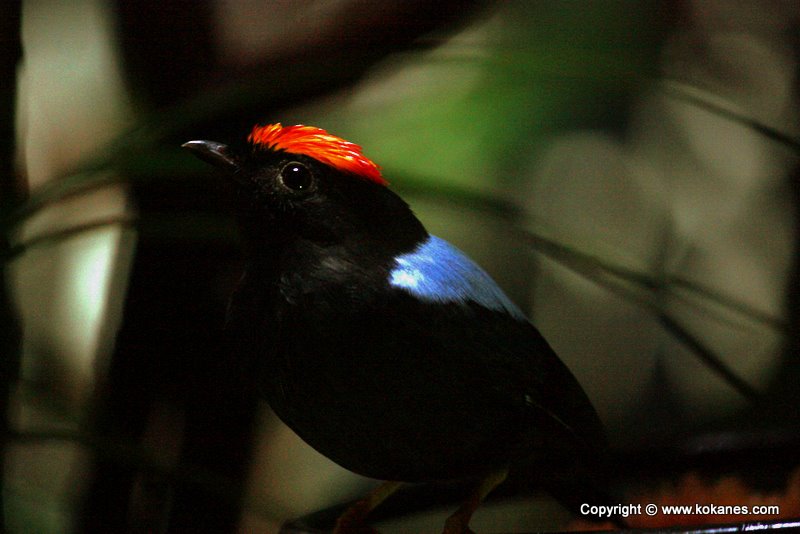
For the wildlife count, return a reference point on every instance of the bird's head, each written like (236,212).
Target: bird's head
(302,182)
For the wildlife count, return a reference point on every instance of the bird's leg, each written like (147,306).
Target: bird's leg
(352,519)
(458,523)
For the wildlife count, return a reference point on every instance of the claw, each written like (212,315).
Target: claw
(353,520)
(458,523)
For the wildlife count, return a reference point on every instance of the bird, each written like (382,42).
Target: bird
(384,347)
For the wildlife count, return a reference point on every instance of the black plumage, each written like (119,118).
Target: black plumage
(383,347)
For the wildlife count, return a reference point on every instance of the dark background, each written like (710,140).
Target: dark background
(626,170)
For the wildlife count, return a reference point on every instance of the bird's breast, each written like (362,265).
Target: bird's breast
(386,388)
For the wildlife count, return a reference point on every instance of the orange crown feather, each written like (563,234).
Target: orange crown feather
(318,144)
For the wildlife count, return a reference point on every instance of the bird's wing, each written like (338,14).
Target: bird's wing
(492,337)
(436,271)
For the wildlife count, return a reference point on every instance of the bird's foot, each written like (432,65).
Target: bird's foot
(353,520)
(458,523)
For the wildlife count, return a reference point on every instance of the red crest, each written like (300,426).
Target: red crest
(318,144)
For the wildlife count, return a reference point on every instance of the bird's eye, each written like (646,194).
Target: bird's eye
(296,176)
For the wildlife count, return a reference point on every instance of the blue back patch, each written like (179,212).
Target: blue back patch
(436,271)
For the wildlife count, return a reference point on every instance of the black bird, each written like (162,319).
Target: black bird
(386,348)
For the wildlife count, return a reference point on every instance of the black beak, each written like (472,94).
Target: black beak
(214,153)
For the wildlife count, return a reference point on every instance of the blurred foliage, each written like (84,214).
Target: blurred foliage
(452,117)
(487,101)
